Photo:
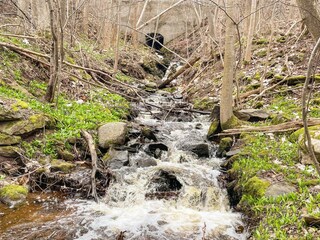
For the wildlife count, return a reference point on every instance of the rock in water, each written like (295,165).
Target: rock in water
(112,134)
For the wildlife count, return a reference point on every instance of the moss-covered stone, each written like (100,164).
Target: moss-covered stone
(6,139)
(9,151)
(60,165)
(233,122)
(65,154)
(13,193)
(213,129)
(224,146)
(255,187)
(21,127)
(279,118)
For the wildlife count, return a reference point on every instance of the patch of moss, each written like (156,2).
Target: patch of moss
(233,122)
(213,129)
(13,192)
(60,165)
(203,104)
(262,53)
(19,104)
(255,187)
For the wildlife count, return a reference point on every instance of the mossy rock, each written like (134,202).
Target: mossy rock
(9,151)
(255,187)
(6,139)
(213,129)
(65,154)
(27,126)
(12,194)
(233,122)
(224,146)
(314,133)
(279,118)
(61,165)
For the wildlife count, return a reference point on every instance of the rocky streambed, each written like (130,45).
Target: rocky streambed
(160,182)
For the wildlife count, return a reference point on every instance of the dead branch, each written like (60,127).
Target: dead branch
(306,96)
(282,127)
(180,71)
(94,159)
(19,36)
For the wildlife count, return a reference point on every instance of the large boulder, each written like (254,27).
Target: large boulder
(7,114)
(112,134)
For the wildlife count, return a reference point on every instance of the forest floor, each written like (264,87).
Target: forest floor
(94,95)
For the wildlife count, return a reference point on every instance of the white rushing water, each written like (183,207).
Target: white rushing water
(179,198)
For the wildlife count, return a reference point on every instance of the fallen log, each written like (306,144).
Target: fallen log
(282,127)
(179,72)
(94,159)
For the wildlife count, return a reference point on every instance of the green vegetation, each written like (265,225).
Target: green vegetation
(264,157)
(71,115)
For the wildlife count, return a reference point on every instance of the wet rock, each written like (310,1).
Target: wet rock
(277,189)
(13,194)
(112,134)
(6,139)
(177,96)
(9,151)
(155,149)
(252,115)
(224,146)
(198,126)
(145,162)
(194,143)
(149,133)
(27,126)
(164,181)
(116,159)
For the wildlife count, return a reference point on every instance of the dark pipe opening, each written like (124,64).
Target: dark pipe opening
(154,40)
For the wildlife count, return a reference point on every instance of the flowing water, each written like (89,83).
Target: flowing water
(169,189)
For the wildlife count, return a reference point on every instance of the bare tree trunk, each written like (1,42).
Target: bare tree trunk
(117,44)
(56,58)
(310,16)
(226,99)
(247,56)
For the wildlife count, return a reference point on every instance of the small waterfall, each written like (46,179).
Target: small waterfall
(177,196)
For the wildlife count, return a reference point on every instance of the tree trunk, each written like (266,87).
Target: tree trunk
(251,28)
(310,16)
(56,58)
(226,99)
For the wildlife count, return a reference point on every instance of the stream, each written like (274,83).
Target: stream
(168,189)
